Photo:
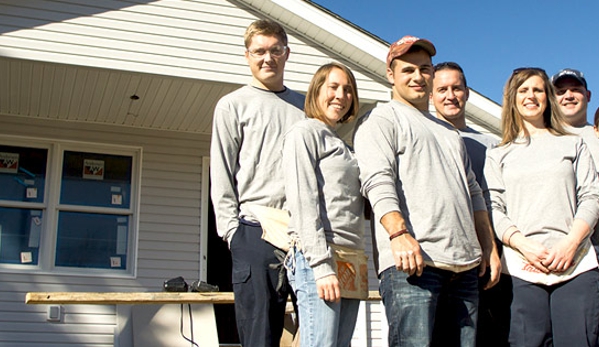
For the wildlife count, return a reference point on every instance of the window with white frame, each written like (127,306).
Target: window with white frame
(68,206)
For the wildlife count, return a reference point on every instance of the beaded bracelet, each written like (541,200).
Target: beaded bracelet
(398,234)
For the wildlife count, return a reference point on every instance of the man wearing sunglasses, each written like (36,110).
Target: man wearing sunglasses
(245,169)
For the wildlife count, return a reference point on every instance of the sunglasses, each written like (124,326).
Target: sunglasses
(520,69)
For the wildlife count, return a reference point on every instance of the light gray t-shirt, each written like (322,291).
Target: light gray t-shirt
(322,186)
(245,153)
(541,186)
(413,163)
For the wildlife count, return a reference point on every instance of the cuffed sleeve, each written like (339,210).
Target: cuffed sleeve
(224,149)
(302,192)
(377,157)
(587,186)
(501,222)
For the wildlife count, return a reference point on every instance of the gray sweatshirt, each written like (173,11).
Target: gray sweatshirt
(477,145)
(587,133)
(245,155)
(322,186)
(413,163)
(541,186)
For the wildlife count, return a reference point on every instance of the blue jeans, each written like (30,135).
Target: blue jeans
(321,323)
(411,305)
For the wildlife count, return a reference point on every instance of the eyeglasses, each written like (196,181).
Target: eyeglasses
(275,51)
(520,69)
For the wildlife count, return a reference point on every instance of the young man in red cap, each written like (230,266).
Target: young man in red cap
(433,235)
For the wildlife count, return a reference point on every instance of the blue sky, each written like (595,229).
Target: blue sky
(491,38)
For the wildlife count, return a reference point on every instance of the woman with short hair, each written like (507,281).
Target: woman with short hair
(322,188)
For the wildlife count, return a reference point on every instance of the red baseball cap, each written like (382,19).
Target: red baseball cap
(401,47)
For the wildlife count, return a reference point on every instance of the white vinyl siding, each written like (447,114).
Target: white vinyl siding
(180,38)
(370,330)
(192,39)
(168,241)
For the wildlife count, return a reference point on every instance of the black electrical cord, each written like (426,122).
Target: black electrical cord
(190,326)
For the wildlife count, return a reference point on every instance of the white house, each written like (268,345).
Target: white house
(105,119)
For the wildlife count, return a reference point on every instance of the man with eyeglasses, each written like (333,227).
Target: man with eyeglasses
(573,97)
(450,95)
(432,232)
(245,169)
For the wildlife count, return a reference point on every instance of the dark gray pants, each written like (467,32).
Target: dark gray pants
(259,308)
(562,315)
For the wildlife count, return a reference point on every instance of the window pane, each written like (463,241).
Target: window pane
(20,231)
(22,173)
(91,179)
(92,240)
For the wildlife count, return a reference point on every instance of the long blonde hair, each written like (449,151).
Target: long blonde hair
(511,119)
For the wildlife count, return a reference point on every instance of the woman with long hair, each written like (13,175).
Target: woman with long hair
(545,201)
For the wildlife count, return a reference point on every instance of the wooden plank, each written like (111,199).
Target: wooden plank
(147,298)
(150,298)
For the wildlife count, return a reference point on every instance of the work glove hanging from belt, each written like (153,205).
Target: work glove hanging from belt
(281,283)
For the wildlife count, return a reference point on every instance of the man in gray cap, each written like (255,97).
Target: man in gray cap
(432,231)
(573,96)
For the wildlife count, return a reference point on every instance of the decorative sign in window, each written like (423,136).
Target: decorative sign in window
(96,179)
(9,162)
(22,173)
(93,169)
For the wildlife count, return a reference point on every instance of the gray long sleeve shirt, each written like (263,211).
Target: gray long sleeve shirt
(587,133)
(245,153)
(413,163)
(541,186)
(477,145)
(322,186)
